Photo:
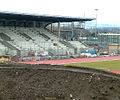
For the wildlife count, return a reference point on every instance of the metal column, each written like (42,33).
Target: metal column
(34,23)
(51,27)
(72,25)
(59,30)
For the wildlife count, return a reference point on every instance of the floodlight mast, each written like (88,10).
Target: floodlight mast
(96,22)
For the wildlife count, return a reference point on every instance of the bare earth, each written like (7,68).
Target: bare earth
(47,82)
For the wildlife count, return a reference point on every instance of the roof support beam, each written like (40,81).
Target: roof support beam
(59,30)
(72,25)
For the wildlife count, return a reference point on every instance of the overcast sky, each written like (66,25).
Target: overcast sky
(108,9)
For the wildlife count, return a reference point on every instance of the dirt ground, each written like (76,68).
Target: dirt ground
(47,82)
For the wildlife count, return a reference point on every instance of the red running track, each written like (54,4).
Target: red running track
(76,60)
(73,60)
(115,71)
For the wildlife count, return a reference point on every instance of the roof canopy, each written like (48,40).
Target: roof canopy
(109,34)
(42,18)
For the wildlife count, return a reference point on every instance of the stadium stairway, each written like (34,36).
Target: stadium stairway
(78,44)
(2,49)
(39,33)
(9,45)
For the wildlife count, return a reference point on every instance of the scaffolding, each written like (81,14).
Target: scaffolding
(111,41)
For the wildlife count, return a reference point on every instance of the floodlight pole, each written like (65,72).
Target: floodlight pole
(96,23)
(118,43)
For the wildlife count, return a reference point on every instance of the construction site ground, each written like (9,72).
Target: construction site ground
(55,82)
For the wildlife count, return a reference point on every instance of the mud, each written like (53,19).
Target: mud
(47,82)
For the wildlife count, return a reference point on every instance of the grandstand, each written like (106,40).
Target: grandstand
(25,34)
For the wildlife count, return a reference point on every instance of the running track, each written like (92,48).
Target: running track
(76,60)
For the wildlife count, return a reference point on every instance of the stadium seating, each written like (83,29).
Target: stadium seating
(2,49)
(33,39)
(78,44)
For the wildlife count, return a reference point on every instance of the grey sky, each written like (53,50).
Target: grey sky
(108,9)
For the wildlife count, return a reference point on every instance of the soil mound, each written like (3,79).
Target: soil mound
(47,82)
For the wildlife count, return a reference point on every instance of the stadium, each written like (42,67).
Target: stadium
(23,35)
(41,58)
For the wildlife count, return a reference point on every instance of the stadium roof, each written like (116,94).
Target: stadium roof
(42,18)
(108,34)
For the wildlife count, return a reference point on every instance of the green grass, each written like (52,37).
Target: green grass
(110,65)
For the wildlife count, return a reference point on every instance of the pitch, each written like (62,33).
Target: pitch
(106,65)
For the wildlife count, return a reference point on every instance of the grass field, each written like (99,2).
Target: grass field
(107,65)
